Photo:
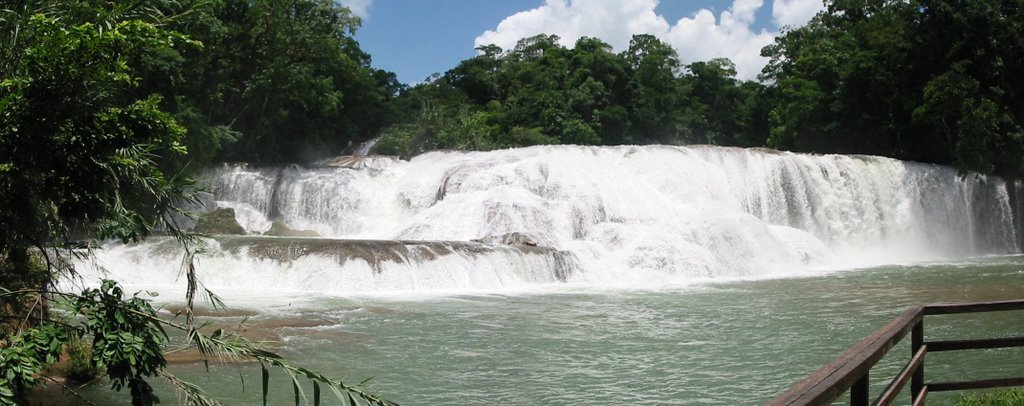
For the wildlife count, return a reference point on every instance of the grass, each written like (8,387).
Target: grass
(1013,397)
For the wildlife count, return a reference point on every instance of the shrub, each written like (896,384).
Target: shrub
(79,366)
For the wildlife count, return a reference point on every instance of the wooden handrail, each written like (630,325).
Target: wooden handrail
(977,307)
(955,345)
(889,395)
(850,371)
(829,382)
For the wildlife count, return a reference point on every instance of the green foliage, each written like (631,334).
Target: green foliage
(127,339)
(91,147)
(23,358)
(520,136)
(396,140)
(79,365)
(1014,397)
(540,92)
(102,104)
(715,120)
(932,81)
(77,144)
(20,270)
(80,151)
(653,90)
(275,82)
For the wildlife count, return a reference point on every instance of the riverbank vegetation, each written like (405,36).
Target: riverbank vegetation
(106,108)
(95,130)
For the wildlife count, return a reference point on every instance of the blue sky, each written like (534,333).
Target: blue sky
(415,38)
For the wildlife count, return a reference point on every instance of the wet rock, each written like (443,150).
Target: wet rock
(359,162)
(279,229)
(219,222)
(518,239)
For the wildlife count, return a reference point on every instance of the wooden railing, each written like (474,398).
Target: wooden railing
(850,371)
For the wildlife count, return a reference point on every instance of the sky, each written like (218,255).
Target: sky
(416,38)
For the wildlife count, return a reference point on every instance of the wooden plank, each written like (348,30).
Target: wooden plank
(954,308)
(953,345)
(830,381)
(901,379)
(980,384)
(921,397)
(916,342)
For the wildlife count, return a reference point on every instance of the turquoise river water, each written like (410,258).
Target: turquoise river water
(733,343)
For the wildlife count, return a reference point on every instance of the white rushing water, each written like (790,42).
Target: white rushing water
(630,216)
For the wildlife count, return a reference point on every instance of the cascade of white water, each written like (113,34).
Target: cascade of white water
(635,214)
(260,264)
(1016,192)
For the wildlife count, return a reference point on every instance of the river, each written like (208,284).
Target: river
(592,275)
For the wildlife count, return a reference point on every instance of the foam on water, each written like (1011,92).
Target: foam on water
(627,216)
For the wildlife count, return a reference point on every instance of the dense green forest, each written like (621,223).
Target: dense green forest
(543,93)
(932,81)
(271,82)
(107,107)
(281,82)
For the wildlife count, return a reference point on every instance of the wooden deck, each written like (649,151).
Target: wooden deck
(850,371)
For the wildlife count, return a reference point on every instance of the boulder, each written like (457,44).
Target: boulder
(279,229)
(219,222)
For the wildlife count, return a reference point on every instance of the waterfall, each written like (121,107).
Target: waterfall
(627,215)
(1016,195)
(364,148)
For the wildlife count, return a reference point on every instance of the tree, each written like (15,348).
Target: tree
(653,98)
(540,92)
(598,86)
(86,152)
(77,149)
(475,77)
(932,81)
(974,46)
(277,81)
(714,102)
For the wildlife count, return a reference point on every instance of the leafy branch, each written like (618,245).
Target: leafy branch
(128,339)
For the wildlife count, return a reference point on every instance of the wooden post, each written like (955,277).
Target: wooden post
(916,341)
(859,391)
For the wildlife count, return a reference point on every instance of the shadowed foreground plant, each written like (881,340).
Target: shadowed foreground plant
(128,339)
(88,153)
(79,368)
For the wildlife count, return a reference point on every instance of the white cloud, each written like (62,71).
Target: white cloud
(699,37)
(795,12)
(361,8)
(744,10)
(702,37)
(613,21)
